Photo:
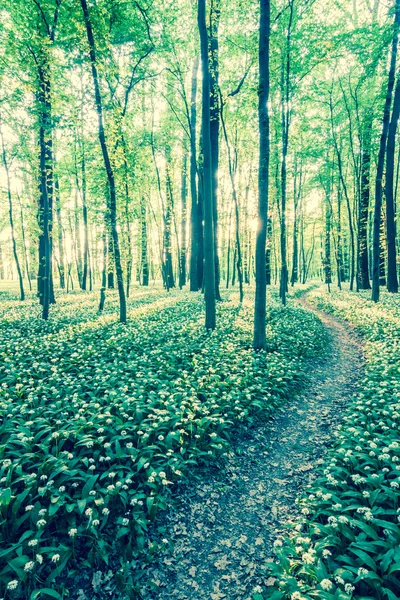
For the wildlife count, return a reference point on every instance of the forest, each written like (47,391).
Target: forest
(199,309)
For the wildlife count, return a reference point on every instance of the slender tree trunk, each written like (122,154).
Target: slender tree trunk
(104,269)
(143,243)
(346,195)
(45,184)
(60,240)
(259,340)
(327,257)
(376,246)
(129,259)
(78,244)
(85,270)
(11,218)
(215,14)
(169,270)
(340,266)
(195,240)
(392,281)
(28,276)
(207,188)
(295,256)
(184,194)
(363,262)
(236,206)
(285,123)
(107,164)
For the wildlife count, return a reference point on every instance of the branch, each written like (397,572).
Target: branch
(240,84)
(43,17)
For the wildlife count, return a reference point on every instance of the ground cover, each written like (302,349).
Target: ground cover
(99,420)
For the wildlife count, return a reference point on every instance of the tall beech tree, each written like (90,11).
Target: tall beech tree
(376,245)
(207,173)
(112,208)
(392,280)
(259,338)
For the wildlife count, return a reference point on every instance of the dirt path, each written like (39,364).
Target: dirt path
(221,534)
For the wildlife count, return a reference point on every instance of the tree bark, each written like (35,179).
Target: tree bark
(392,281)
(209,239)
(45,183)
(215,14)
(363,261)
(376,246)
(184,194)
(259,340)
(195,241)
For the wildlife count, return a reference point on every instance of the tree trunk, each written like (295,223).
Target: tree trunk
(60,240)
(207,188)
(236,206)
(28,276)
(45,184)
(169,270)
(11,218)
(327,258)
(363,262)
(392,281)
(107,164)
(376,246)
(85,270)
(195,241)
(285,123)
(346,195)
(259,340)
(215,14)
(184,194)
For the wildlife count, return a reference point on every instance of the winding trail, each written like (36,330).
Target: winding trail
(222,530)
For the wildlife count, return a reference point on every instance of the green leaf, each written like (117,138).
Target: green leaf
(46,592)
(88,487)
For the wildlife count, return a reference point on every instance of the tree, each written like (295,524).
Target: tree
(207,189)
(259,339)
(107,163)
(381,157)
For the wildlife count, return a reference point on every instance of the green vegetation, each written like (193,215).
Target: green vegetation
(99,420)
(348,543)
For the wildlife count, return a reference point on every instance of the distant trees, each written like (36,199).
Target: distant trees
(113,134)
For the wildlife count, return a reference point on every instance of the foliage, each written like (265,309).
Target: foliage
(347,544)
(99,420)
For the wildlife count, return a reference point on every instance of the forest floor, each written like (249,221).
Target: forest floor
(221,531)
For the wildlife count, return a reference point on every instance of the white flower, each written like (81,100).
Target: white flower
(72,532)
(326,584)
(308,558)
(29,507)
(125,521)
(32,543)
(39,558)
(55,558)
(12,585)
(29,565)
(41,523)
